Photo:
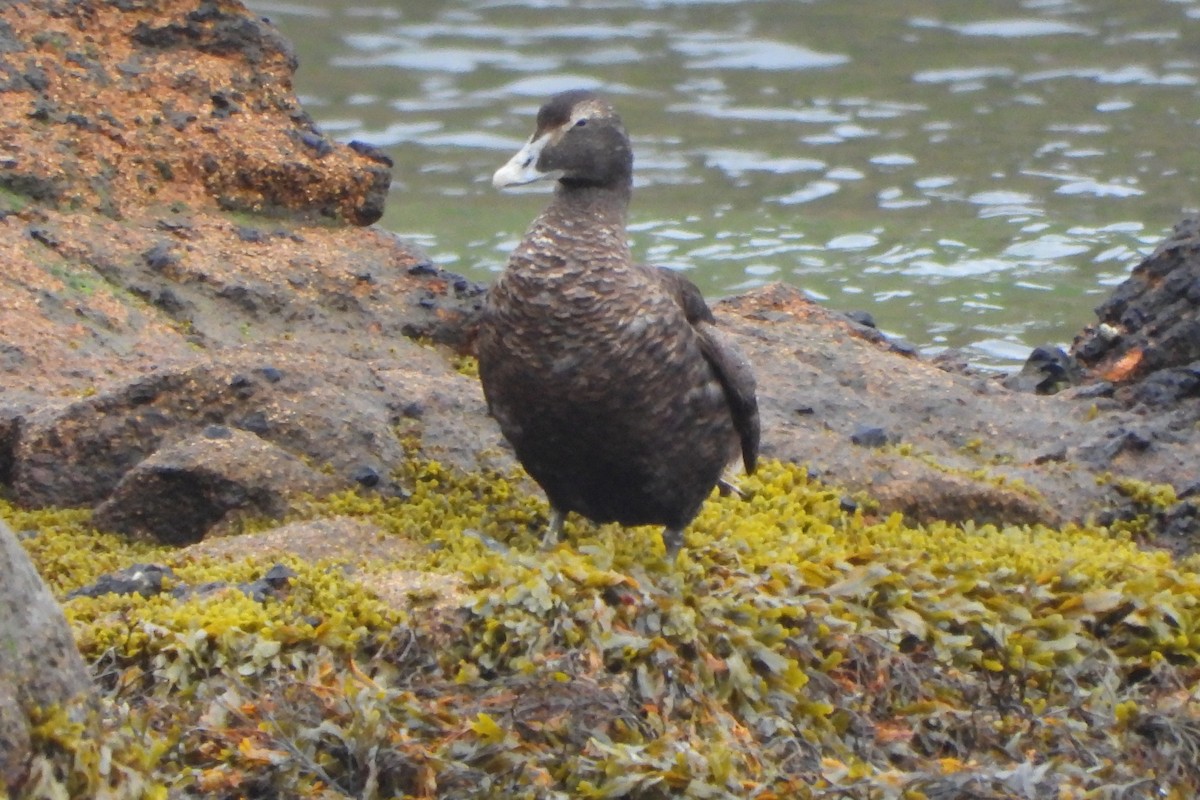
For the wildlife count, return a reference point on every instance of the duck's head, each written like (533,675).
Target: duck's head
(579,141)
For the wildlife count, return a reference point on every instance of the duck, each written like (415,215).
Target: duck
(611,380)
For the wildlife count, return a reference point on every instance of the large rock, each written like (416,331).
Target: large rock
(1151,322)
(137,311)
(178,101)
(345,416)
(959,446)
(39,665)
(181,492)
(326,408)
(90,301)
(131,131)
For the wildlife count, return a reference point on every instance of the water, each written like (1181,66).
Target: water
(975,173)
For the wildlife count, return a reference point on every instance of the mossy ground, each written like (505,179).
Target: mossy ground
(793,650)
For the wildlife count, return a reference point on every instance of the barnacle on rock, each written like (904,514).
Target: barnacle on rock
(794,649)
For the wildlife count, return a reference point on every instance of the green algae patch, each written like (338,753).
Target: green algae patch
(1150,495)
(988,472)
(465,365)
(67,551)
(792,650)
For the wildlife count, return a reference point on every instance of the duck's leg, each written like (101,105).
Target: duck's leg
(672,541)
(727,488)
(554,531)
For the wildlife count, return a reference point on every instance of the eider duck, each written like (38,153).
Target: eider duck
(609,379)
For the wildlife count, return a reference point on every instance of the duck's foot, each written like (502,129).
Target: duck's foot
(554,531)
(672,541)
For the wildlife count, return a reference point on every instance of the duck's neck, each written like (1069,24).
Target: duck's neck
(587,223)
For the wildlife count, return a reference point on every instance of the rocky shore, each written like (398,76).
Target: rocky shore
(198,326)
(181,253)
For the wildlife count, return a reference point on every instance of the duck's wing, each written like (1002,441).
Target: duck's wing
(686,293)
(731,366)
(737,379)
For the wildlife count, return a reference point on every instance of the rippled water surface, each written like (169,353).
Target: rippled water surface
(974,173)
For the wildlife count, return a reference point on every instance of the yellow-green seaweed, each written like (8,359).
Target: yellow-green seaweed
(793,650)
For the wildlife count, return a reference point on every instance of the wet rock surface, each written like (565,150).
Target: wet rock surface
(180,269)
(960,445)
(147,580)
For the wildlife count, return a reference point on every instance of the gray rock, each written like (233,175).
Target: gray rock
(143,579)
(1048,370)
(184,490)
(328,409)
(869,436)
(39,664)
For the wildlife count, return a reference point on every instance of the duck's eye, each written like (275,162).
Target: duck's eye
(579,123)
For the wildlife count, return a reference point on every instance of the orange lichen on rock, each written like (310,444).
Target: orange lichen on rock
(54,312)
(108,103)
(777,298)
(129,132)
(1123,368)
